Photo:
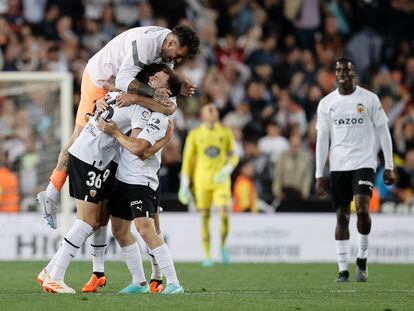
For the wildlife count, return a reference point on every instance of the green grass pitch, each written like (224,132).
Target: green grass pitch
(234,287)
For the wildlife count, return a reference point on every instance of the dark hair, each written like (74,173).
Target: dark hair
(188,38)
(344,59)
(174,82)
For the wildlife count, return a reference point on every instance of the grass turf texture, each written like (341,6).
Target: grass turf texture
(234,287)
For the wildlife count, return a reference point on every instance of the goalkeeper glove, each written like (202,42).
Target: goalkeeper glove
(222,175)
(184,193)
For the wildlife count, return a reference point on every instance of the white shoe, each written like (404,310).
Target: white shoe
(57,287)
(49,208)
(43,275)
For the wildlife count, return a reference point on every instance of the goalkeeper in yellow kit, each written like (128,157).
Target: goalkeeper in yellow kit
(208,162)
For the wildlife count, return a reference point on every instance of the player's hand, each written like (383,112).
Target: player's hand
(222,175)
(321,186)
(108,127)
(389,177)
(161,95)
(184,195)
(187,88)
(101,104)
(125,99)
(168,108)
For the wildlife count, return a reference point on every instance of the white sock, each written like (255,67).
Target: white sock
(51,263)
(156,271)
(132,257)
(98,246)
(73,240)
(52,192)
(165,262)
(342,254)
(362,241)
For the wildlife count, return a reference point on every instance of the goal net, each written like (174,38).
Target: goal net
(36,120)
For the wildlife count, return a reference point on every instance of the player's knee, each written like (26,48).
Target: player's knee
(363,213)
(119,233)
(146,230)
(343,219)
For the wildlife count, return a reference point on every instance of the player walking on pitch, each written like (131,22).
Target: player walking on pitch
(208,162)
(348,119)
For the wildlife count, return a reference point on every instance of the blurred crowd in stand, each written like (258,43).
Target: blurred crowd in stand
(265,63)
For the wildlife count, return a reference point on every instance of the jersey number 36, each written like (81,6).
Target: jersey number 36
(95,180)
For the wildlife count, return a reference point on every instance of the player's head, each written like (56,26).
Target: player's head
(345,72)
(160,76)
(181,43)
(208,111)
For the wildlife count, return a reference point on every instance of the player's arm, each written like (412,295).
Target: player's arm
(127,99)
(134,145)
(184,193)
(322,149)
(160,143)
(232,160)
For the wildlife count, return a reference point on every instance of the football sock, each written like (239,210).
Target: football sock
(224,229)
(164,259)
(58,179)
(205,234)
(362,241)
(98,245)
(51,263)
(342,254)
(132,257)
(72,241)
(156,272)
(52,192)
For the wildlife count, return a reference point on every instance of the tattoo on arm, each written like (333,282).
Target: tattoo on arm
(134,86)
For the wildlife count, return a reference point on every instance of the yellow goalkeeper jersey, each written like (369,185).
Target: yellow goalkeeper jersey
(206,152)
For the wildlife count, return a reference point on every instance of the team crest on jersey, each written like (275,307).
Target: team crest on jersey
(145,114)
(92,192)
(212,151)
(360,108)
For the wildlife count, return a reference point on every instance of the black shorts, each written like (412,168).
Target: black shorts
(86,182)
(132,201)
(346,184)
(110,182)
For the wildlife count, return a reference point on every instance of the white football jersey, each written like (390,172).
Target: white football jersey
(125,55)
(131,169)
(350,121)
(99,149)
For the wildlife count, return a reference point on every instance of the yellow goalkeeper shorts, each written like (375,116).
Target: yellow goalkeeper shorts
(218,196)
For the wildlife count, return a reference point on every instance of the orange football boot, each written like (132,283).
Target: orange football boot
(94,283)
(156,286)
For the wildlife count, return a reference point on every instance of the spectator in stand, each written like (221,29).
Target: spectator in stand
(244,190)
(9,187)
(293,176)
(273,144)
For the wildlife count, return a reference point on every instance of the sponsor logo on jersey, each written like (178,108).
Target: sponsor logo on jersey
(92,192)
(138,204)
(212,152)
(91,129)
(155,121)
(360,108)
(348,122)
(366,183)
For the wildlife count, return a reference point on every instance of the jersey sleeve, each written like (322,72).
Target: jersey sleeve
(378,114)
(155,128)
(230,141)
(141,52)
(322,122)
(188,154)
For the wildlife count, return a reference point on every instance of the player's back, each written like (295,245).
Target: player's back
(143,43)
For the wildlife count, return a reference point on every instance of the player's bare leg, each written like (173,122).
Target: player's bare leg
(131,253)
(342,242)
(364,228)
(224,213)
(161,253)
(98,246)
(49,199)
(87,220)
